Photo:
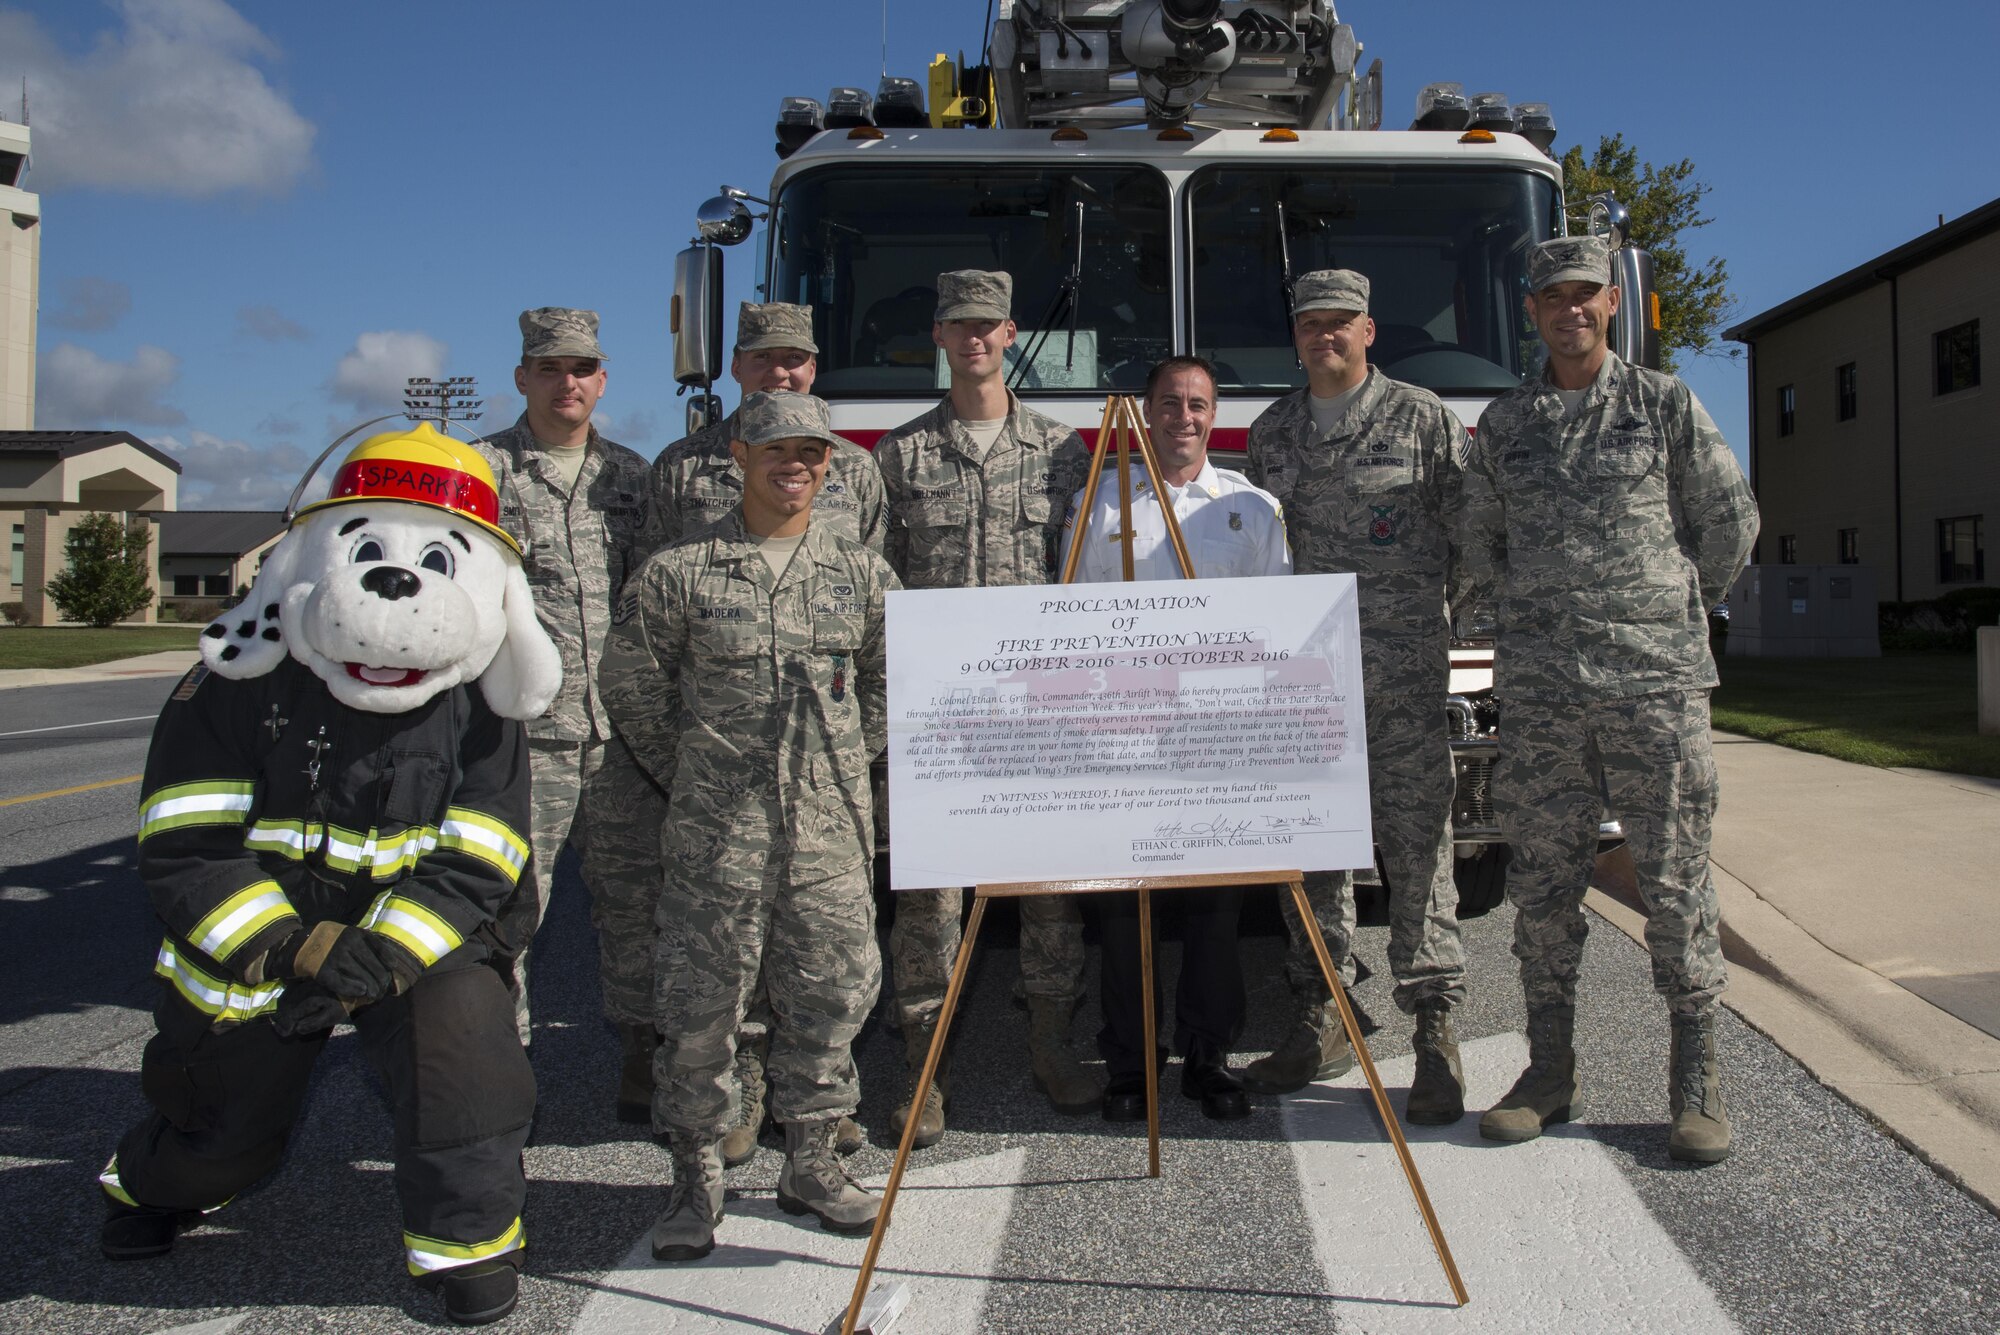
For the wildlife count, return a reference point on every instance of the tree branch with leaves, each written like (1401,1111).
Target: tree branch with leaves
(109,576)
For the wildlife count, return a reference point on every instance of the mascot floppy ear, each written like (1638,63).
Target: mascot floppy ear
(526,671)
(247,640)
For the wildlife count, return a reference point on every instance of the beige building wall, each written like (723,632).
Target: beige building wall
(53,494)
(20,290)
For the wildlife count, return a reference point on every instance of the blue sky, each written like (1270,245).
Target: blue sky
(260,216)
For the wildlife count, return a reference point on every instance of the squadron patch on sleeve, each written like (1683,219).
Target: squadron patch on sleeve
(191,682)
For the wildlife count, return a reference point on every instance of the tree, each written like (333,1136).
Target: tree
(1665,204)
(107,577)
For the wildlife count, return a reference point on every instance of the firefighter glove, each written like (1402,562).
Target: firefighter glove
(307,1008)
(342,959)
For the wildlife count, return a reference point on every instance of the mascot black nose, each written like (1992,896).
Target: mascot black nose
(391,582)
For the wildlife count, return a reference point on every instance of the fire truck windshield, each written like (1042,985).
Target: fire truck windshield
(1444,252)
(864,249)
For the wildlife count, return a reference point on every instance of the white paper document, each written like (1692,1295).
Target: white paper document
(1078,731)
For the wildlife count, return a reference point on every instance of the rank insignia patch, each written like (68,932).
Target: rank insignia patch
(627,608)
(1382,528)
(1236,520)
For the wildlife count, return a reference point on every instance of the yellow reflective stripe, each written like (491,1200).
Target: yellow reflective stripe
(382,858)
(411,925)
(240,917)
(212,996)
(215,802)
(484,837)
(286,837)
(108,1179)
(428,1254)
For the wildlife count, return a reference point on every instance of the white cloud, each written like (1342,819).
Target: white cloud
(90,305)
(372,373)
(637,427)
(221,474)
(503,407)
(171,102)
(76,389)
(269,324)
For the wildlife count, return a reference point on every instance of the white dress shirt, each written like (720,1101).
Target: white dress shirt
(1231,528)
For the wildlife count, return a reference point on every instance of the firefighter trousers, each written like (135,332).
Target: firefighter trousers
(225,1098)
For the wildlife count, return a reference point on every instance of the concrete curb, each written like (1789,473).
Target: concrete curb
(166,663)
(1928,1079)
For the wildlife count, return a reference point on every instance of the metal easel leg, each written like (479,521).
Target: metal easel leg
(1152,1033)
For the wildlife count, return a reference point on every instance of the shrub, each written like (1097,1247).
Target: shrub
(16,613)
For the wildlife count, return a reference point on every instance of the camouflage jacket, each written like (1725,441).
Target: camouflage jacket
(1608,535)
(1381,499)
(696,483)
(580,544)
(736,688)
(957,522)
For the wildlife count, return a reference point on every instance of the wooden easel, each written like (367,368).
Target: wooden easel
(1122,422)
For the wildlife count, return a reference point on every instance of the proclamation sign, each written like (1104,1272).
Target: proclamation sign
(1073,731)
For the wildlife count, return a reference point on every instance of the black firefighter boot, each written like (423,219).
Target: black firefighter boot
(1546,1091)
(1437,1095)
(480,1294)
(1694,1092)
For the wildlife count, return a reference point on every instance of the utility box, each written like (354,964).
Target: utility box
(1804,612)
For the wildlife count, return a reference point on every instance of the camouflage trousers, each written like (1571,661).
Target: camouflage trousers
(1410,788)
(1651,756)
(557,771)
(811,947)
(923,946)
(623,810)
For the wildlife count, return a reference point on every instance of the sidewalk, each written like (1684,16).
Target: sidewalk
(166,663)
(1861,920)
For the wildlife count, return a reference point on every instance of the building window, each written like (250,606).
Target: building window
(1957,350)
(1962,550)
(17,557)
(187,586)
(1787,410)
(1850,546)
(1788,549)
(1843,392)
(215,586)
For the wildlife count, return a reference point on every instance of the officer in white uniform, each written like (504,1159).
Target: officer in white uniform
(1231,529)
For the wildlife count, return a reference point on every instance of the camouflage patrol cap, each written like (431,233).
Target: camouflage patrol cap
(558,331)
(975,294)
(1330,290)
(775,324)
(780,414)
(1569,259)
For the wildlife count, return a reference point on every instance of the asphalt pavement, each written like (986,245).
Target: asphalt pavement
(1021,1220)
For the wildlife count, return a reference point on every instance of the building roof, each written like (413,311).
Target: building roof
(1939,240)
(218,532)
(63,444)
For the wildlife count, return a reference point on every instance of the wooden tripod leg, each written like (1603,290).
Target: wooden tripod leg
(1152,1033)
(1382,1107)
(924,1079)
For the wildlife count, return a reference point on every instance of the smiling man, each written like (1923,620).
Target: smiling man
(1610,514)
(977,488)
(1231,529)
(746,671)
(576,503)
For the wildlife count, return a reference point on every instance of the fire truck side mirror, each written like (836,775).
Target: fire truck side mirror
(697,316)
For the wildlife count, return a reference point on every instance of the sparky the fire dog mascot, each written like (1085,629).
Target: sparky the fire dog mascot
(335,809)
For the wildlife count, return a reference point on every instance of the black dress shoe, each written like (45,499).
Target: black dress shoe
(478,1295)
(136,1233)
(1125,1099)
(1220,1092)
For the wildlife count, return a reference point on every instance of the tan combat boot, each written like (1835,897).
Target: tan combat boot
(1546,1091)
(1058,1073)
(813,1181)
(685,1230)
(1437,1095)
(1315,1047)
(638,1043)
(1694,1091)
(930,1119)
(740,1141)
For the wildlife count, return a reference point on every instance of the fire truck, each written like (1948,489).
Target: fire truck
(1154,174)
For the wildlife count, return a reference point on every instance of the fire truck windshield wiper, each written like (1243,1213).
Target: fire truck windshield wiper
(1067,300)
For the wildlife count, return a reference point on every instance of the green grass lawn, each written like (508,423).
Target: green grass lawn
(1914,710)
(75,646)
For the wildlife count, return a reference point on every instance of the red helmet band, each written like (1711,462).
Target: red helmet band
(403,480)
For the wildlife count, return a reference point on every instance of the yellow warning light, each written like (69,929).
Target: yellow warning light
(1656,308)
(1280,136)
(1176,134)
(864,132)
(1476,137)
(1069,134)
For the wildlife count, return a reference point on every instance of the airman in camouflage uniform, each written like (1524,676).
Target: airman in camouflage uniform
(978,487)
(1379,497)
(696,483)
(577,504)
(1610,514)
(747,673)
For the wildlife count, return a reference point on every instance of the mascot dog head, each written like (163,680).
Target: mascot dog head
(399,585)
